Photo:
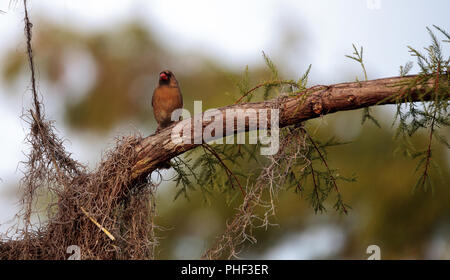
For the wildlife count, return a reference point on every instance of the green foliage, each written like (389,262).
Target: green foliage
(182,179)
(428,115)
(244,84)
(358,57)
(303,81)
(273,69)
(367,115)
(323,180)
(404,70)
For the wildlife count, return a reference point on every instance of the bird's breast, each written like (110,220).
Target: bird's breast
(165,101)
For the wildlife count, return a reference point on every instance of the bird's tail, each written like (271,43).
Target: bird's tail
(162,126)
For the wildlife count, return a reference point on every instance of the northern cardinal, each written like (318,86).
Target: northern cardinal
(166,98)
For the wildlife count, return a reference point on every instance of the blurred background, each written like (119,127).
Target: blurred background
(98,64)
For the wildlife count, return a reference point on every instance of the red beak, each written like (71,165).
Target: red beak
(163,76)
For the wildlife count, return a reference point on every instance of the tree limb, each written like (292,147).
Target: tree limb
(309,104)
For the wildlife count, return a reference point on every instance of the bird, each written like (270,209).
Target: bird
(166,98)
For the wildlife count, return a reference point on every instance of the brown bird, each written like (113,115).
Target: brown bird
(166,98)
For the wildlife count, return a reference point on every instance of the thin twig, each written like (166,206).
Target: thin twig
(230,173)
(265,84)
(425,172)
(98,225)
(28,26)
(326,165)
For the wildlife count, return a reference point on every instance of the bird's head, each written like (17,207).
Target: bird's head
(166,77)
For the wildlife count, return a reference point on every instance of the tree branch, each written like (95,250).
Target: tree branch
(303,106)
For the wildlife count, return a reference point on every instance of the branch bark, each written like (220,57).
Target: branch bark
(312,103)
